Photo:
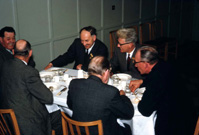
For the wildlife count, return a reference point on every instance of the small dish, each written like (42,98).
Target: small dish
(121,76)
(52,86)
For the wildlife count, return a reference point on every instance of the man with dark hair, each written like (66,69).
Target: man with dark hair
(82,50)
(175,115)
(92,99)
(125,53)
(23,91)
(7,41)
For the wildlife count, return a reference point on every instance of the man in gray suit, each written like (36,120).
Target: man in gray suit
(125,53)
(92,99)
(23,91)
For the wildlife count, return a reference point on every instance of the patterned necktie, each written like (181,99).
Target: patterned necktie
(128,62)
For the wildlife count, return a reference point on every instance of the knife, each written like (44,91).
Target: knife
(61,91)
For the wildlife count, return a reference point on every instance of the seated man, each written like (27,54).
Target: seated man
(125,53)
(82,50)
(92,99)
(175,114)
(23,91)
(7,41)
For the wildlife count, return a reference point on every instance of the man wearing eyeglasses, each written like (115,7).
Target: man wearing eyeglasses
(175,115)
(125,53)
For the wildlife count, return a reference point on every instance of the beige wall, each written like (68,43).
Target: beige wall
(51,25)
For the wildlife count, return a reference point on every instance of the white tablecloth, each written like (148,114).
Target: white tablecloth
(139,124)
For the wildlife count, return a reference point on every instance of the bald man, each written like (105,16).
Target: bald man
(82,50)
(23,91)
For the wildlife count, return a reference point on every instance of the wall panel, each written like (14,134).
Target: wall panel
(148,9)
(131,11)
(112,17)
(64,23)
(41,54)
(33,20)
(7,16)
(90,13)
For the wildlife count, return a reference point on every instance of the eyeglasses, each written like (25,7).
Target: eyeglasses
(123,43)
(134,62)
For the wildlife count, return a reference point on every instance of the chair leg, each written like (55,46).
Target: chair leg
(53,132)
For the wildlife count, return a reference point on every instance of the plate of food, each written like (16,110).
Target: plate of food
(52,86)
(122,77)
(46,73)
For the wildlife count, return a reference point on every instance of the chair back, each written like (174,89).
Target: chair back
(113,41)
(196,132)
(5,127)
(157,29)
(68,125)
(145,32)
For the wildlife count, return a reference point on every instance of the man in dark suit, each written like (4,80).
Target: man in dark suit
(23,91)
(82,50)
(7,41)
(173,107)
(92,99)
(125,53)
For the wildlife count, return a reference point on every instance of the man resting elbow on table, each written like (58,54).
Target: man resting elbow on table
(161,93)
(81,51)
(92,99)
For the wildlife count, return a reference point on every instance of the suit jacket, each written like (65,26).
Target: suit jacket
(23,91)
(171,104)
(119,63)
(76,52)
(5,55)
(93,100)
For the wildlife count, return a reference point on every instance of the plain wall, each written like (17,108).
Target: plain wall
(52,25)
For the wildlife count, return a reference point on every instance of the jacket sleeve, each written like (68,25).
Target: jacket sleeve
(37,88)
(121,106)
(67,57)
(114,62)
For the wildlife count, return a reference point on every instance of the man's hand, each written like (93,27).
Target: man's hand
(79,67)
(122,92)
(49,66)
(135,84)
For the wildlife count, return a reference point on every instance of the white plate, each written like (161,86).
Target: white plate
(122,76)
(55,86)
(54,69)
(45,73)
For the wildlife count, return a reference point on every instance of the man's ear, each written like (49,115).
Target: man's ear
(30,53)
(13,52)
(94,37)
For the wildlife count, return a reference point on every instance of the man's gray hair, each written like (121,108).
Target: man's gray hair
(98,65)
(149,54)
(129,34)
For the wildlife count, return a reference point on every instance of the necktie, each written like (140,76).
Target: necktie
(128,62)
(86,57)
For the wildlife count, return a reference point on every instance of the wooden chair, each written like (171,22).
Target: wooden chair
(147,38)
(5,116)
(197,128)
(67,122)
(4,126)
(113,41)
(170,43)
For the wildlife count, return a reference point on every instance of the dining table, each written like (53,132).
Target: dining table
(58,79)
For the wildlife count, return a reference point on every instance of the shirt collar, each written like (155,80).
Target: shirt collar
(89,50)
(131,53)
(9,51)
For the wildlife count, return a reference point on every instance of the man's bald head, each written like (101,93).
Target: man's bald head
(22,48)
